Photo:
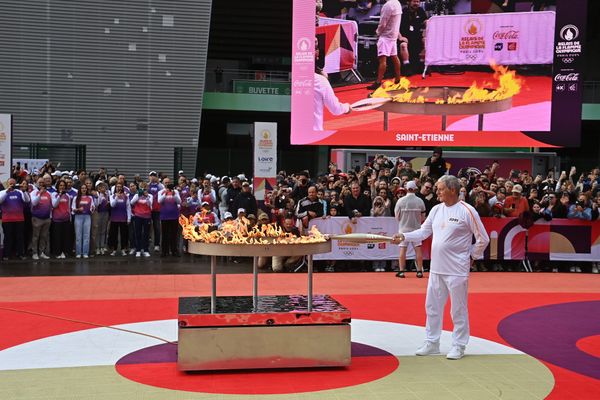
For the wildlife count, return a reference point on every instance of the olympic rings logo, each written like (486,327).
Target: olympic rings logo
(568,60)
(348,253)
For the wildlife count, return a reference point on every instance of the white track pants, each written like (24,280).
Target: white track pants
(438,289)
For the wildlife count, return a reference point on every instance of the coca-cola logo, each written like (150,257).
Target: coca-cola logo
(570,77)
(506,35)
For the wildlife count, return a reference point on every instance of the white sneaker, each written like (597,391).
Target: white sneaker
(114,253)
(45,257)
(146,254)
(132,252)
(156,249)
(62,255)
(98,251)
(594,269)
(554,269)
(428,348)
(138,254)
(572,269)
(123,253)
(456,352)
(86,256)
(78,256)
(35,256)
(577,269)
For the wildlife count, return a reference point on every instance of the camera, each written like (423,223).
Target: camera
(170,186)
(581,204)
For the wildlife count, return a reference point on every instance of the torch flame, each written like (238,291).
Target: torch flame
(240,232)
(509,85)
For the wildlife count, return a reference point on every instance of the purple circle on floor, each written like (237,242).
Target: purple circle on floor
(550,333)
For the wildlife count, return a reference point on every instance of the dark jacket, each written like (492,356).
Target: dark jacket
(362,204)
(247,201)
(305,205)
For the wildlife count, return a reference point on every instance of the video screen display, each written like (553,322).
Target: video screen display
(480,73)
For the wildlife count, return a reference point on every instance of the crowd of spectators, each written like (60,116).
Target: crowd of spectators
(64,213)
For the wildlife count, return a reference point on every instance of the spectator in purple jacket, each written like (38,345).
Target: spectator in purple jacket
(12,202)
(41,209)
(141,207)
(120,216)
(61,221)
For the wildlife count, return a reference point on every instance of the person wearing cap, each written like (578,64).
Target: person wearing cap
(245,199)
(453,224)
(103,217)
(516,204)
(410,213)
(206,215)
(141,209)
(154,187)
(227,216)
(170,201)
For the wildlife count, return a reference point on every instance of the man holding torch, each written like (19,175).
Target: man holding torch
(453,224)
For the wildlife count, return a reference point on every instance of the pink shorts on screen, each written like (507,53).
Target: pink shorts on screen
(386,47)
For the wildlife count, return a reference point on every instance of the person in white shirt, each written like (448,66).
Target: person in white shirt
(452,254)
(388,32)
(324,96)
(409,212)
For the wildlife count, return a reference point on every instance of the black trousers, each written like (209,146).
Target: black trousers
(169,233)
(156,227)
(14,235)
(60,237)
(117,228)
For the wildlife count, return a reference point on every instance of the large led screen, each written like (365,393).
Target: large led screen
(471,73)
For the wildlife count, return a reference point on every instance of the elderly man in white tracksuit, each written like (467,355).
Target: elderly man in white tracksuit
(453,224)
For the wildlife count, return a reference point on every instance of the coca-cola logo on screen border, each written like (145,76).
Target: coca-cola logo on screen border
(570,77)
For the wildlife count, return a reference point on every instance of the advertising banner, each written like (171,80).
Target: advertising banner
(556,240)
(265,157)
(528,96)
(340,250)
(5,146)
(475,39)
